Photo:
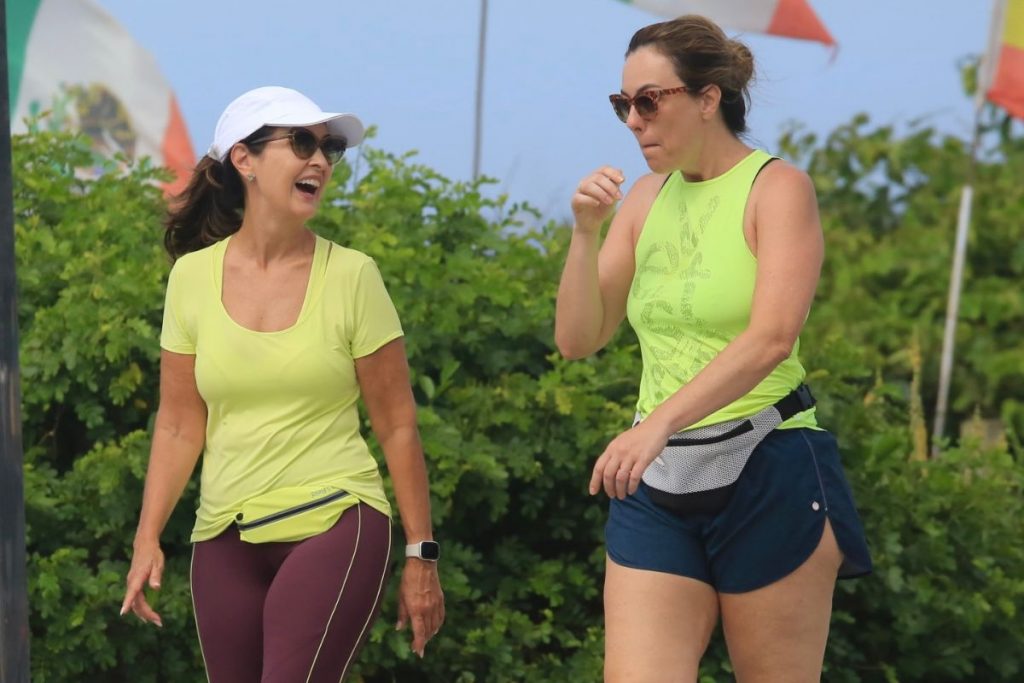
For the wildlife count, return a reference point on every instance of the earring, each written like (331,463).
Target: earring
(251,177)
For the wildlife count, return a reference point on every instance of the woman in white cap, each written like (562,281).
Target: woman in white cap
(270,336)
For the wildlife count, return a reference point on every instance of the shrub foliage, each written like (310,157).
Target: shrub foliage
(510,429)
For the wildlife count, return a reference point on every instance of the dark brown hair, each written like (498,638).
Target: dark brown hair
(703,55)
(210,207)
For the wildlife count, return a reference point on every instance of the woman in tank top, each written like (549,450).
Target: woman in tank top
(714,257)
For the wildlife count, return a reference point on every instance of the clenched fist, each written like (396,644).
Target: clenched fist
(595,198)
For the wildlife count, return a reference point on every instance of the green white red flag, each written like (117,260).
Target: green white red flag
(70,57)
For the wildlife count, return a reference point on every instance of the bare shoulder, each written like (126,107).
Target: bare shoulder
(645,189)
(780,182)
(783,201)
(638,202)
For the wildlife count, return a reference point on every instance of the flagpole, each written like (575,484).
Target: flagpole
(962,230)
(14,656)
(479,114)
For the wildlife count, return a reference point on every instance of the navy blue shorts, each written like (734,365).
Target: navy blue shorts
(774,520)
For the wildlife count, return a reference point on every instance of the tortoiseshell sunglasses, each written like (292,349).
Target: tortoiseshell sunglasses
(646,102)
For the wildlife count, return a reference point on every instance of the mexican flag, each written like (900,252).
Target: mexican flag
(70,57)
(1007,55)
(789,18)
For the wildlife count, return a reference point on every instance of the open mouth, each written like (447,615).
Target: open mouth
(308,187)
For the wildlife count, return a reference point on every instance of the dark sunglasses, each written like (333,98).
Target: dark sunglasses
(305,144)
(646,102)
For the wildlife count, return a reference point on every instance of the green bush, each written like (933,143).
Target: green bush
(510,429)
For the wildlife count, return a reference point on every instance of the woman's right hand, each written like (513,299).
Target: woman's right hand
(595,198)
(147,567)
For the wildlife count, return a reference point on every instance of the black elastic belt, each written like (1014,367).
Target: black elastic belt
(797,401)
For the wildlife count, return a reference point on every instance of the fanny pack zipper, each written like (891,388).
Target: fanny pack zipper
(741,428)
(289,512)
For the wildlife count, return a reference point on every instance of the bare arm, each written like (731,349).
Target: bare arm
(596,278)
(384,382)
(790,249)
(178,437)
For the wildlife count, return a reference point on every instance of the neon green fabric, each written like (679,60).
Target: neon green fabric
(281,405)
(693,289)
(292,513)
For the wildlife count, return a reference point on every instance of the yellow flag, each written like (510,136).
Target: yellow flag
(1007,88)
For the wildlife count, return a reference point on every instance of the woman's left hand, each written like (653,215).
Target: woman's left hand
(420,602)
(624,460)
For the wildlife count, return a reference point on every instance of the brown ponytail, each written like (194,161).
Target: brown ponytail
(211,205)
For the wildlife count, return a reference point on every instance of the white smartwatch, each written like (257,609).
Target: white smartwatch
(424,550)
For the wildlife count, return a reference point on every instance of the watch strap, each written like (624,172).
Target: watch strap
(424,550)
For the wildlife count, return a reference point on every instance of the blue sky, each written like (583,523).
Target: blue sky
(409,67)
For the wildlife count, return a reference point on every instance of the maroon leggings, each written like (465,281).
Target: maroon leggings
(290,612)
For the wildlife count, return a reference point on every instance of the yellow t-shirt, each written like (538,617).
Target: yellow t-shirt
(281,405)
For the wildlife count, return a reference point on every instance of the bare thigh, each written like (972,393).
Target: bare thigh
(657,625)
(778,633)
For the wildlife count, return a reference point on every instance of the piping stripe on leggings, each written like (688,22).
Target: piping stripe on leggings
(195,614)
(373,609)
(348,571)
(355,551)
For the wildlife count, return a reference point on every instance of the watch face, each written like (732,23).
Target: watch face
(430,550)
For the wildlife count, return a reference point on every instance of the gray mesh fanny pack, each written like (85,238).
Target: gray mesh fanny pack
(698,468)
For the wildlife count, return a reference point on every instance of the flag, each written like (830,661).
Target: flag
(789,18)
(73,59)
(1007,51)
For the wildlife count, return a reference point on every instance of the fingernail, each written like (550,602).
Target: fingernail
(121,613)
(156,585)
(159,623)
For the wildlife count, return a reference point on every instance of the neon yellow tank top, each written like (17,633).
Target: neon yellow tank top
(693,289)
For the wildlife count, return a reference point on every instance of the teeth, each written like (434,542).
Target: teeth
(312,182)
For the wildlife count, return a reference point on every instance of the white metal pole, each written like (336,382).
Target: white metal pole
(479,114)
(952,310)
(963,224)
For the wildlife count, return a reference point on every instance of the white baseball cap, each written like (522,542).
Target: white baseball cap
(276,106)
